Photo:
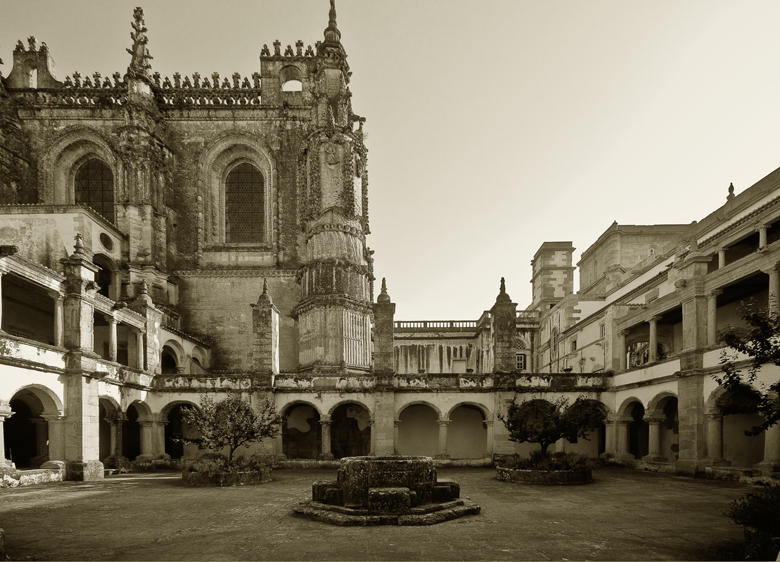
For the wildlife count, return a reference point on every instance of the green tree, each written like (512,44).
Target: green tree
(231,423)
(760,342)
(543,422)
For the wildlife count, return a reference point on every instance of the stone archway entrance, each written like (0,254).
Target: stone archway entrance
(26,432)
(301,432)
(350,431)
(466,434)
(418,431)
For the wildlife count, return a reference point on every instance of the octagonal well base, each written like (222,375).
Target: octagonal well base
(428,514)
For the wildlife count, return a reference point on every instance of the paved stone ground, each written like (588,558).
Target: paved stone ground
(623,515)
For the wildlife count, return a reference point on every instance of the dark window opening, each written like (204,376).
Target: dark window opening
(94,187)
(244,212)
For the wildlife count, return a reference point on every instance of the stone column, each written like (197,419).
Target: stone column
(265,334)
(139,348)
(504,314)
(325,426)
(610,443)
(653,343)
(774,291)
(5,412)
(762,236)
(112,437)
(56,425)
(771,461)
(147,440)
(384,311)
(712,317)
(396,428)
(621,347)
(654,445)
(621,440)
(112,339)
(442,453)
(721,258)
(372,426)
(119,437)
(159,433)
(490,437)
(58,321)
(714,438)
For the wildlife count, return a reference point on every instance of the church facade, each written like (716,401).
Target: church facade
(162,238)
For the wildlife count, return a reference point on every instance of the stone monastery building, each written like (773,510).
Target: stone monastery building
(166,237)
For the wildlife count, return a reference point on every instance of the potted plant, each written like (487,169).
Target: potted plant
(543,422)
(226,426)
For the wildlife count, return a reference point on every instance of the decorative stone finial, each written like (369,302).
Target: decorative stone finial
(265,297)
(144,290)
(78,247)
(383,297)
(139,65)
(502,296)
(332,33)
(730,196)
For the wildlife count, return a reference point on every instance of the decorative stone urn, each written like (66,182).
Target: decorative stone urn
(391,490)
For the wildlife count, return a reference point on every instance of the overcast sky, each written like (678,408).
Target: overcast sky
(493,125)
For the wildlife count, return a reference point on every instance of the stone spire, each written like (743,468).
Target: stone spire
(503,297)
(730,196)
(332,33)
(140,56)
(78,247)
(383,297)
(265,297)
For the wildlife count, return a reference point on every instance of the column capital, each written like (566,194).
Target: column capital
(53,417)
(623,333)
(325,420)
(444,422)
(715,292)
(713,416)
(396,423)
(653,419)
(112,319)
(655,318)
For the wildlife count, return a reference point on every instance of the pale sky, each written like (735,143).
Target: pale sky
(493,125)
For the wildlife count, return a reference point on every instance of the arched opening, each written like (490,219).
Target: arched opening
(301,432)
(418,431)
(638,431)
(669,429)
(350,433)
(467,434)
(290,79)
(738,408)
(104,278)
(107,427)
(131,433)
(244,206)
(176,430)
(594,443)
(168,363)
(26,432)
(93,186)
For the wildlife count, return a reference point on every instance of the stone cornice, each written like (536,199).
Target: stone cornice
(237,272)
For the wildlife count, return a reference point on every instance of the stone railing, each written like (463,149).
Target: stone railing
(437,325)
(72,97)
(30,354)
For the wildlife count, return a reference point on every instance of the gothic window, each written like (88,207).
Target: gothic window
(244,207)
(520,361)
(94,187)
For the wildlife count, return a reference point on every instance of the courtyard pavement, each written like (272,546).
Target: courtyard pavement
(623,515)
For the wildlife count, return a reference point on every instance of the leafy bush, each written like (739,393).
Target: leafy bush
(213,464)
(556,461)
(759,509)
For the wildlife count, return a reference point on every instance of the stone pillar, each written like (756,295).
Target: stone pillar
(504,314)
(692,436)
(143,304)
(774,291)
(490,437)
(712,317)
(721,258)
(325,426)
(653,343)
(771,461)
(112,437)
(119,444)
(654,444)
(372,425)
(147,440)
(442,452)
(714,438)
(159,435)
(56,425)
(396,429)
(762,236)
(5,412)
(112,339)
(610,442)
(58,319)
(265,334)
(621,349)
(384,311)
(621,440)
(139,348)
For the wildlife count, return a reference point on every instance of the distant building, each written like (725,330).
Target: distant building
(166,237)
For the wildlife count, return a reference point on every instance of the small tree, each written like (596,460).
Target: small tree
(231,423)
(543,422)
(760,341)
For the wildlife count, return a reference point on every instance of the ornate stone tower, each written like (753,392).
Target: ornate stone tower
(334,313)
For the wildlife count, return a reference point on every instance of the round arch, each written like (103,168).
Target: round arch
(177,430)
(301,430)
(431,405)
(623,410)
(348,402)
(481,407)
(106,277)
(655,407)
(72,147)
(350,429)
(223,153)
(52,405)
(287,405)
(143,409)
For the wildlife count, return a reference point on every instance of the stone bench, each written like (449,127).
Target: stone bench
(445,490)
(389,500)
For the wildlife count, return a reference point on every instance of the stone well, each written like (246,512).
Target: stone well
(392,490)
